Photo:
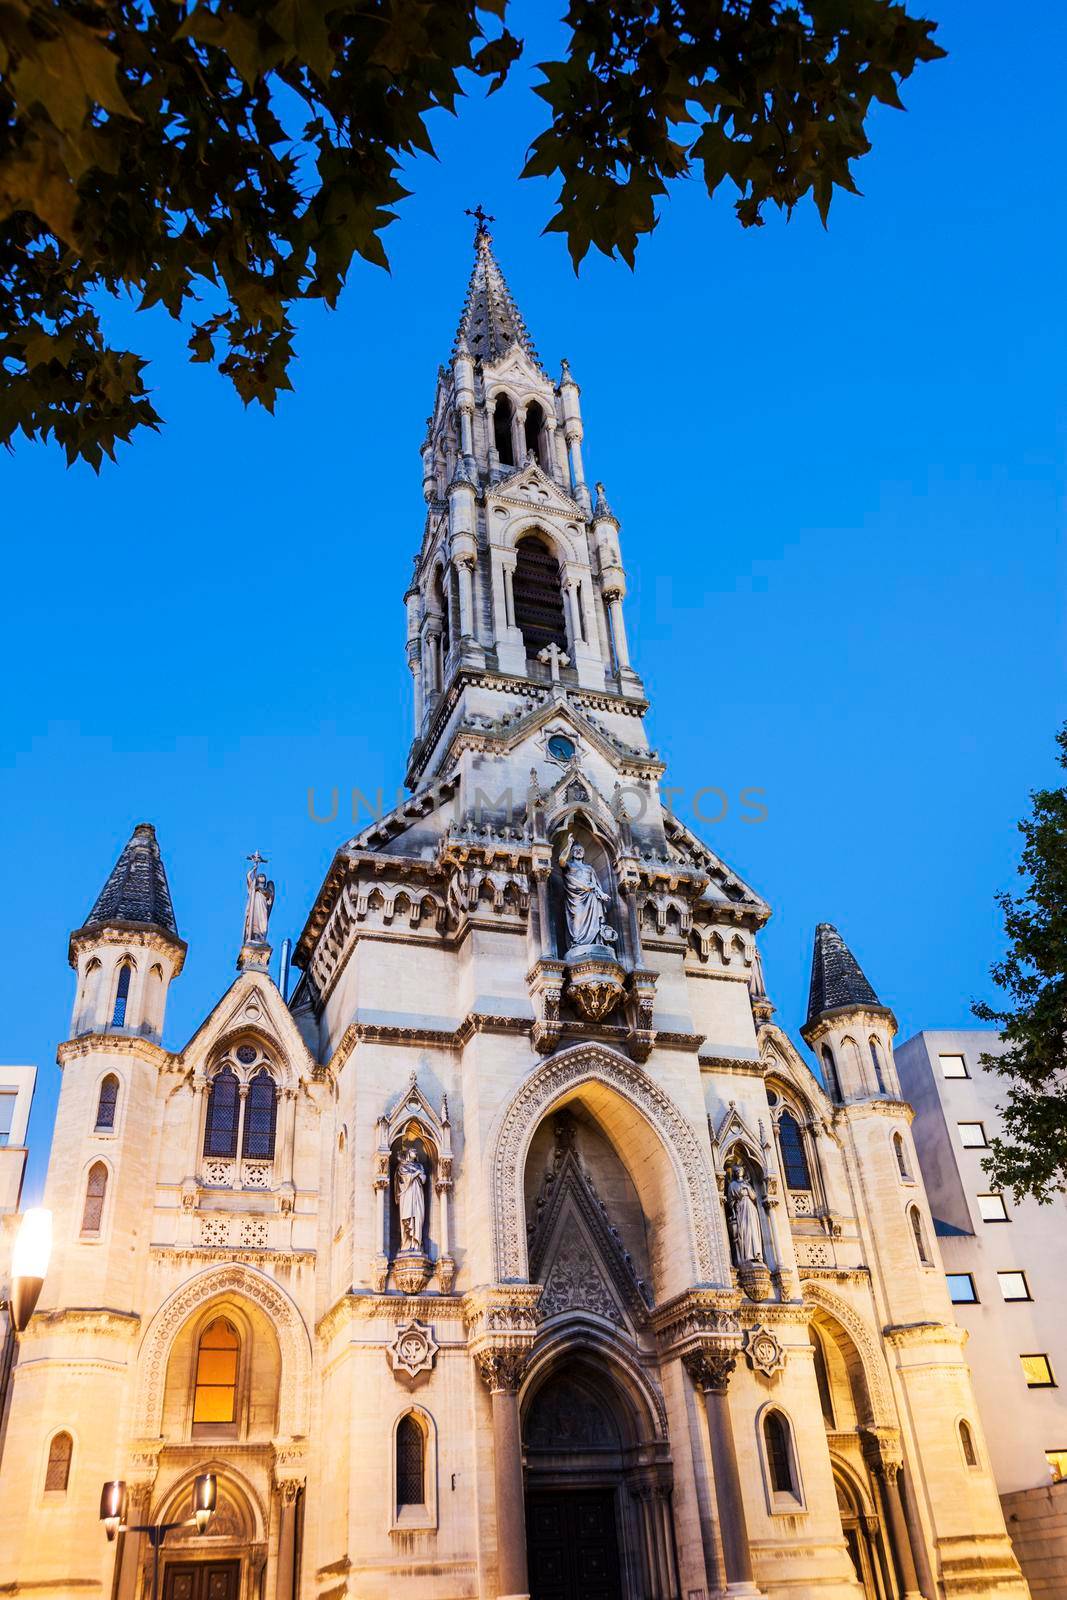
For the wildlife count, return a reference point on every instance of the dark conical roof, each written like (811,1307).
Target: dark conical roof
(836,976)
(137,890)
(491,322)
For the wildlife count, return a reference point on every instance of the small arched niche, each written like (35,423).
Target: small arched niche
(230,1335)
(599,855)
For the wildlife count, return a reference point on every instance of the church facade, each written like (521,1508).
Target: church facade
(518,1251)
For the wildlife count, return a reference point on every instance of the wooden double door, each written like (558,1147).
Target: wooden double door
(201,1580)
(572,1545)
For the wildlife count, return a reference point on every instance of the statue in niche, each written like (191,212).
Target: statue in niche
(742,1217)
(409,1191)
(585,902)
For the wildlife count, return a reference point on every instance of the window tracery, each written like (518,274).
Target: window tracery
(60,1455)
(107,1102)
(95,1196)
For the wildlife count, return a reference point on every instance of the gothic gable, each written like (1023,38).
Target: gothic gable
(252,1004)
(574,1249)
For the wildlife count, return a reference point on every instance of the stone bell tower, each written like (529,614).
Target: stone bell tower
(519,574)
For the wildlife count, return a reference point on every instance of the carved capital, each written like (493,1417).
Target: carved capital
(502,1367)
(710,1365)
(882,1451)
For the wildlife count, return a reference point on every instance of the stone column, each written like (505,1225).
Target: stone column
(518,434)
(465,575)
(501,1368)
(899,1532)
(710,1366)
(131,1555)
(618,631)
(285,1571)
(575,611)
(466,431)
(574,448)
(509,596)
(415,665)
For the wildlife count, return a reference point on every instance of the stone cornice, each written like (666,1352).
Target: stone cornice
(854,1110)
(143,934)
(903,1334)
(355,1307)
(864,1015)
(739,1065)
(836,1274)
(119,1044)
(258,1257)
(85,1319)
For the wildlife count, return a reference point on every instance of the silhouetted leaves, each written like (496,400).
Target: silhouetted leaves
(237,155)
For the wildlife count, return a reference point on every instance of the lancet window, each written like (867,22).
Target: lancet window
(538,596)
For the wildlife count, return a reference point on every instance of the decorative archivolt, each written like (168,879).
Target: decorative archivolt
(863,1337)
(243,1283)
(697,1210)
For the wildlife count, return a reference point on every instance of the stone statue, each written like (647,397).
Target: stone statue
(742,1216)
(260,900)
(586,902)
(409,1190)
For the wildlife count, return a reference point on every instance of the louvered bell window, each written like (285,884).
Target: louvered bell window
(538,597)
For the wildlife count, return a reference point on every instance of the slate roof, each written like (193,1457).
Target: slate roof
(137,889)
(491,321)
(837,978)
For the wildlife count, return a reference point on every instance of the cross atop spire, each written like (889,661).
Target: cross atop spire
(491,321)
(482,237)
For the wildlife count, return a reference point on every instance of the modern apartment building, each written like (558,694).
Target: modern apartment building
(1007,1267)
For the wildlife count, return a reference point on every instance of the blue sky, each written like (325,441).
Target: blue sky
(838,462)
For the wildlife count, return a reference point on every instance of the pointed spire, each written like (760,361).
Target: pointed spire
(837,980)
(491,321)
(601,510)
(759,999)
(136,890)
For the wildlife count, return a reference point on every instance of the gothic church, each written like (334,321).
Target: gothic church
(518,1252)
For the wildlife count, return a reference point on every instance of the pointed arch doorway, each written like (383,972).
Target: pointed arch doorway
(597,1509)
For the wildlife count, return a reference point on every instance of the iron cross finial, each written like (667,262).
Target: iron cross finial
(481,216)
(257,860)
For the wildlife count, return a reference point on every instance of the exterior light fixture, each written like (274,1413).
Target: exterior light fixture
(113,1506)
(113,1516)
(205,1497)
(29,1264)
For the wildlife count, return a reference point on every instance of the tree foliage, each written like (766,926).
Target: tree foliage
(226,159)
(1031,1156)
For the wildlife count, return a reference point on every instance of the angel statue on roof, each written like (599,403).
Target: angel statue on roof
(260,900)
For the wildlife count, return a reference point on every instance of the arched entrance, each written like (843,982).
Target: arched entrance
(597,1502)
(863,1538)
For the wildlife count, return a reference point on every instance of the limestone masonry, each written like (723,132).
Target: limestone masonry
(519,1251)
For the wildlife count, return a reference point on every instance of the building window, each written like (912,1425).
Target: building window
(7,1115)
(822,1378)
(215,1400)
(779,1447)
(919,1232)
(972,1135)
(876,1058)
(1037,1372)
(95,1195)
(538,597)
(901,1157)
(970,1454)
(261,1112)
(991,1208)
(829,1072)
(1013,1286)
(57,1473)
(961,1289)
(410,1463)
(953,1067)
(220,1135)
(1057,1465)
(122,995)
(794,1156)
(535,421)
(502,415)
(106,1103)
